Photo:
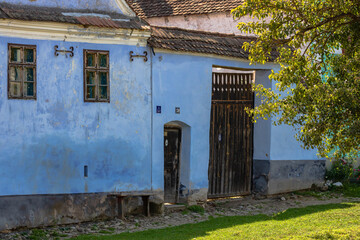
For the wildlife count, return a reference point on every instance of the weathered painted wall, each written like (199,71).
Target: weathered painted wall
(185,81)
(262,127)
(214,22)
(178,81)
(280,164)
(102,5)
(44,144)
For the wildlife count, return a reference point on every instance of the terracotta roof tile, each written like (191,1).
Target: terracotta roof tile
(97,21)
(83,17)
(183,40)
(163,8)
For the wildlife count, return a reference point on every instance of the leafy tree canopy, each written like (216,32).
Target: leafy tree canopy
(318,85)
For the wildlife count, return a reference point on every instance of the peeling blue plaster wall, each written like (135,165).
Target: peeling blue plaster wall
(44,144)
(185,81)
(102,5)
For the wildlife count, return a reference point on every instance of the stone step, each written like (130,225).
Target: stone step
(174,207)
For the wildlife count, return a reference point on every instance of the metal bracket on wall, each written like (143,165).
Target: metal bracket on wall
(135,56)
(70,52)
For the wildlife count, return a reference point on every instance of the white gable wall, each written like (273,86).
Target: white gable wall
(214,22)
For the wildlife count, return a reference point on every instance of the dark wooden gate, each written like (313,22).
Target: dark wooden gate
(231,135)
(172,141)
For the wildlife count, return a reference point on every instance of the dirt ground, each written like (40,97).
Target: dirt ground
(249,205)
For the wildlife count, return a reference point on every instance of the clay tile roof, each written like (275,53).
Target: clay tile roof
(183,40)
(83,17)
(163,8)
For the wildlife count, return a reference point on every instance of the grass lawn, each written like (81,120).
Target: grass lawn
(332,221)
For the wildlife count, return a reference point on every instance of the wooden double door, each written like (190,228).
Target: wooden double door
(231,135)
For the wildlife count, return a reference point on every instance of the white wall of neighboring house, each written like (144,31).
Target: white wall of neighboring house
(214,22)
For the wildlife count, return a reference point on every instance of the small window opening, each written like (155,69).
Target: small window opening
(96,76)
(21,71)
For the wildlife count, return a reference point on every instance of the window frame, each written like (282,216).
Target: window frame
(22,64)
(97,69)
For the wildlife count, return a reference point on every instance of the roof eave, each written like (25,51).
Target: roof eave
(73,32)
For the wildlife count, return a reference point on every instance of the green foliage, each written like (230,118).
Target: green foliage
(349,190)
(94,227)
(106,232)
(55,234)
(185,212)
(340,171)
(197,209)
(357,173)
(317,89)
(37,234)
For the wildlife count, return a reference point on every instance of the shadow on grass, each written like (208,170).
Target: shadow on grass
(191,231)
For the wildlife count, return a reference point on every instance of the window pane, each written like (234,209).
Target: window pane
(15,54)
(90,60)
(103,78)
(103,60)
(15,74)
(29,89)
(15,89)
(103,92)
(29,55)
(29,72)
(90,92)
(90,77)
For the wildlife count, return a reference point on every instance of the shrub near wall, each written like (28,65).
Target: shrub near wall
(357,173)
(341,170)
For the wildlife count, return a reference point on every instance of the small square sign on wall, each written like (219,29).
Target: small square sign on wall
(177,110)
(158,109)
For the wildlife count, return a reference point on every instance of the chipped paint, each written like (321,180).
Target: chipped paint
(214,22)
(51,139)
(181,80)
(56,135)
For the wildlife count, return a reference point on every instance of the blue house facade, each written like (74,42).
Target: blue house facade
(184,80)
(87,93)
(72,122)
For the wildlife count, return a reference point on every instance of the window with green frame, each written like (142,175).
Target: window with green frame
(21,71)
(96,76)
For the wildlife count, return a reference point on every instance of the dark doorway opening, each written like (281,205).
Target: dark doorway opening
(172,144)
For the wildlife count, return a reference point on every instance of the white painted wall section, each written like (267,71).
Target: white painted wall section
(214,22)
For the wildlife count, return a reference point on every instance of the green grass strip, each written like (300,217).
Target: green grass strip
(331,221)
